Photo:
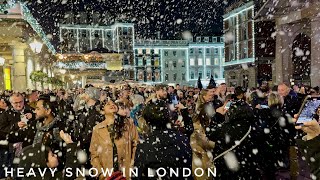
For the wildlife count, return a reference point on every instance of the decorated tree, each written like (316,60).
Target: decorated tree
(39,77)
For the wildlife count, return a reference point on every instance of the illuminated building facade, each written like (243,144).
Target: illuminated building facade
(179,61)
(249,46)
(297,40)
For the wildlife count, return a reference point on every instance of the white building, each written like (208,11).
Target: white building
(180,61)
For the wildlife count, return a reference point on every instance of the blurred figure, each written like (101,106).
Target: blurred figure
(163,147)
(39,156)
(3,104)
(291,102)
(33,98)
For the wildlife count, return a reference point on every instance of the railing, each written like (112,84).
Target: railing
(161,42)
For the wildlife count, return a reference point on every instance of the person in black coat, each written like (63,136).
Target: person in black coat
(8,123)
(235,154)
(39,156)
(275,133)
(164,147)
(291,101)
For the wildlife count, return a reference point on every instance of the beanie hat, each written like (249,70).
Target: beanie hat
(93,93)
(34,156)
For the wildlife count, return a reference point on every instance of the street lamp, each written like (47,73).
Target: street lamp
(36,46)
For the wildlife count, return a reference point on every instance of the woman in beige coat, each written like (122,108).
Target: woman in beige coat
(113,142)
(200,144)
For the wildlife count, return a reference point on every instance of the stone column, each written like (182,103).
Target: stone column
(315,52)
(30,69)
(83,81)
(19,78)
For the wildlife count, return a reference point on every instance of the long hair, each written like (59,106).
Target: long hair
(200,100)
(275,100)
(120,121)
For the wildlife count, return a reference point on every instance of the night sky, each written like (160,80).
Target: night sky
(169,17)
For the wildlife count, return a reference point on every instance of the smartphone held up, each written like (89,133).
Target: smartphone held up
(308,109)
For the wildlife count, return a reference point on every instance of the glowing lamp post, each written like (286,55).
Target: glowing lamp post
(36,46)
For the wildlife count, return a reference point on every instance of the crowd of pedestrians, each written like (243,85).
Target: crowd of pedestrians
(237,133)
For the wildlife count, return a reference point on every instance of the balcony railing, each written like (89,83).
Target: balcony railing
(161,42)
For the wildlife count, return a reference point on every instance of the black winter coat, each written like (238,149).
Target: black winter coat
(243,157)
(9,123)
(275,134)
(28,161)
(311,150)
(163,148)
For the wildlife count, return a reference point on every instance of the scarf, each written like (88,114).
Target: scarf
(42,130)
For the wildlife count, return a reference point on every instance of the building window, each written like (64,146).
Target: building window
(191,51)
(207,50)
(148,51)
(208,63)
(156,51)
(166,64)
(139,51)
(216,75)
(140,75)
(222,39)
(149,76)
(192,62)
(174,64)
(148,62)
(200,63)
(216,61)
(206,39)
(208,73)
(216,51)
(200,74)
(156,62)
(183,76)
(214,39)
(125,31)
(174,53)
(200,50)
(183,64)
(192,75)
(198,39)
(175,76)
(140,62)
(166,53)
(157,75)
(166,78)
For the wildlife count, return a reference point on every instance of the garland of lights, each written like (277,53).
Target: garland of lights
(31,20)
(8,5)
(36,27)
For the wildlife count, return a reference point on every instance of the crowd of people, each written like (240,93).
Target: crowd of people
(237,133)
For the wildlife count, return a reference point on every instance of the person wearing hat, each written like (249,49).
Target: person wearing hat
(87,119)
